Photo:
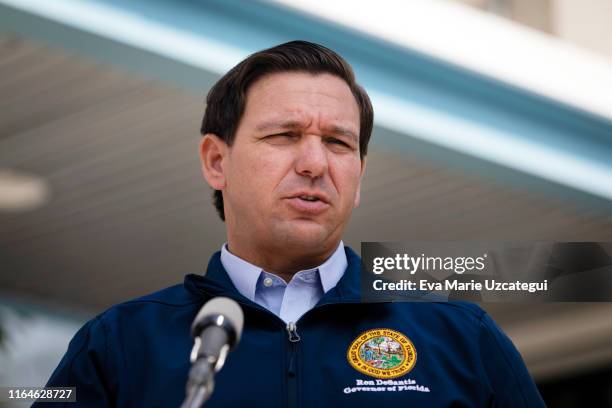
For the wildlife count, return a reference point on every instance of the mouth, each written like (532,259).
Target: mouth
(309,203)
(308,198)
(311,196)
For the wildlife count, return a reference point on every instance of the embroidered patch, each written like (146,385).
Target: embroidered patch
(382,353)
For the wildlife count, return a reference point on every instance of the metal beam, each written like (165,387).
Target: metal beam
(422,98)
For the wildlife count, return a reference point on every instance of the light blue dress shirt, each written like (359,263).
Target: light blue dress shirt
(290,300)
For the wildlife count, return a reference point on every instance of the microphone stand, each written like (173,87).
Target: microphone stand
(200,383)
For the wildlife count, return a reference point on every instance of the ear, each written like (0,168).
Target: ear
(213,151)
(358,192)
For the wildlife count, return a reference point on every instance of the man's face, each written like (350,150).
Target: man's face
(293,173)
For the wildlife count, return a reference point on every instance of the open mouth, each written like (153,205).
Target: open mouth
(308,204)
(308,198)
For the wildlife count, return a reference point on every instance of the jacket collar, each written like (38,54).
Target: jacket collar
(245,276)
(217,282)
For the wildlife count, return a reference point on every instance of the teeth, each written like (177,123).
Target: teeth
(309,198)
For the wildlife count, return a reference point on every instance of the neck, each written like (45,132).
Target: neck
(284,262)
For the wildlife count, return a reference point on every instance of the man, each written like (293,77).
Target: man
(285,141)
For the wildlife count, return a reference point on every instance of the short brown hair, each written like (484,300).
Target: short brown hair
(226,100)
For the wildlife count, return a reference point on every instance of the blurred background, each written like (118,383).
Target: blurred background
(493,122)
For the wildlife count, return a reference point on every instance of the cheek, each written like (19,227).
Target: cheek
(259,172)
(346,179)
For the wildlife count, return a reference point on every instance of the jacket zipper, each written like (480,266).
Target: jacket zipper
(292,378)
(294,338)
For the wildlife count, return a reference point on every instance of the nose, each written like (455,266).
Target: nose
(312,157)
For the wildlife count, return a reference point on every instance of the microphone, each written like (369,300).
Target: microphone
(216,330)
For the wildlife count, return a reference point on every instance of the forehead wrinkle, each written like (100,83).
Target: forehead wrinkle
(281,123)
(300,119)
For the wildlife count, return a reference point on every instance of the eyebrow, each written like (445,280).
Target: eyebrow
(294,124)
(276,124)
(341,130)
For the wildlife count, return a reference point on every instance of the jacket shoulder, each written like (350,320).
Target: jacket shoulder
(451,307)
(168,300)
(470,310)
(465,313)
(175,295)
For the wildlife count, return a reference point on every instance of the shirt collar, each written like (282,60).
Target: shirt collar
(245,275)
(332,270)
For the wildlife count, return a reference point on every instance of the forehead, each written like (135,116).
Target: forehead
(304,97)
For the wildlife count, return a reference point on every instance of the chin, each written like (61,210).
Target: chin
(305,233)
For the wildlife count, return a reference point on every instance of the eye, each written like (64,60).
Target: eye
(285,134)
(338,142)
(280,138)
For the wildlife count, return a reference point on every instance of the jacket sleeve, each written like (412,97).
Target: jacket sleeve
(506,373)
(84,366)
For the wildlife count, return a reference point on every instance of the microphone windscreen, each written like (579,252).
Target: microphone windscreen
(226,307)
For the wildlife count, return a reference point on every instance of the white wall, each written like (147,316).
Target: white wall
(587,23)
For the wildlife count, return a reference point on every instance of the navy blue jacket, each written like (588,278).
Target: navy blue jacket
(137,353)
